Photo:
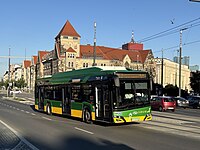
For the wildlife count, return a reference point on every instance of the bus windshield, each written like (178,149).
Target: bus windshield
(132,94)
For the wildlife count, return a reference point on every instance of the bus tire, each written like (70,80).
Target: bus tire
(87,116)
(48,109)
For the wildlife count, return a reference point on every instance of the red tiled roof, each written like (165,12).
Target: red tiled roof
(114,53)
(87,51)
(69,30)
(34,58)
(27,63)
(71,50)
(144,54)
(41,54)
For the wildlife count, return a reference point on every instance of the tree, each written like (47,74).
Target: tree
(157,89)
(195,81)
(6,83)
(20,83)
(171,90)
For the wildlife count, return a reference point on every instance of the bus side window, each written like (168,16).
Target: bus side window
(88,94)
(76,92)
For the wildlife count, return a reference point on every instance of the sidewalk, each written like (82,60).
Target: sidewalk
(9,140)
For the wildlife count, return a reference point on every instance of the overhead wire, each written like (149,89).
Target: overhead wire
(171,30)
(177,46)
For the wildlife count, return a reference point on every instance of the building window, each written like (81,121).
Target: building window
(72,64)
(68,64)
(86,64)
(75,38)
(83,64)
(65,37)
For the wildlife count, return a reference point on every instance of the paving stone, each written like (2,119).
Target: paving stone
(8,139)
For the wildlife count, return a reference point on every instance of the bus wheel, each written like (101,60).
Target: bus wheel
(48,109)
(87,116)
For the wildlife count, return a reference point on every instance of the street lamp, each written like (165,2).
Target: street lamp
(180,55)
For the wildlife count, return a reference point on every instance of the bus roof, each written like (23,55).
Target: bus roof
(82,75)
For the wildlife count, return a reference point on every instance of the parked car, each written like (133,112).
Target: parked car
(181,102)
(163,103)
(194,101)
(15,92)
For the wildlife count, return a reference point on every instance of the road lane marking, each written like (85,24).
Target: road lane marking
(33,114)
(22,110)
(83,130)
(20,137)
(27,112)
(46,118)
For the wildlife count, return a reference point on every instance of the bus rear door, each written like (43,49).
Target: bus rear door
(41,98)
(66,109)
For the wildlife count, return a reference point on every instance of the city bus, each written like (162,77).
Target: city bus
(105,94)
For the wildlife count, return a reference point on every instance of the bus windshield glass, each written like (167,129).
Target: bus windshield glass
(132,94)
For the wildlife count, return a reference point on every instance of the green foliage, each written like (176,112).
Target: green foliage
(6,83)
(1,84)
(20,83)
(171,90)
(157,89)
(195,81)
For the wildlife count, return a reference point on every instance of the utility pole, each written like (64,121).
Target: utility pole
(180,55)
(8,72)
(162,69)
(137,61)
(94,54)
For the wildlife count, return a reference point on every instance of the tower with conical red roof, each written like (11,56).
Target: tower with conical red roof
(68,38)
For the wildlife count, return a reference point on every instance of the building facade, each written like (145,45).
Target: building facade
(69,54)
(171,73)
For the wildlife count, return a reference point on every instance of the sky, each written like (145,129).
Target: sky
(28,26)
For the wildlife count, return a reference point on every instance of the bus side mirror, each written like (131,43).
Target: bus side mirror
(116,80)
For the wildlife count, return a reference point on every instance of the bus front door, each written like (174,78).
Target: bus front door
(102,103)
(65,102)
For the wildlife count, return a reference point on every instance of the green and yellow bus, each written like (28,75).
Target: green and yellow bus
(106,94)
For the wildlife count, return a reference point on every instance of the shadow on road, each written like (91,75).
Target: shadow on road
(105,124)
(77,143)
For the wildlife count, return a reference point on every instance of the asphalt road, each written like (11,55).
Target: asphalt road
(54,132)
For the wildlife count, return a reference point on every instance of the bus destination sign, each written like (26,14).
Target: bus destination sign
(138,75)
